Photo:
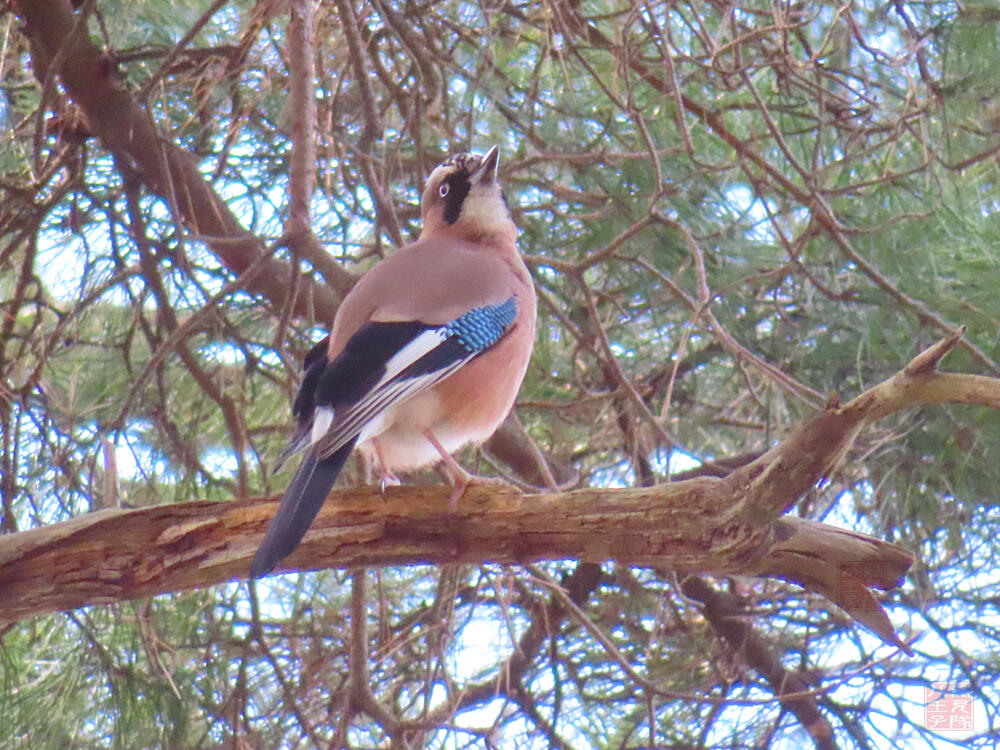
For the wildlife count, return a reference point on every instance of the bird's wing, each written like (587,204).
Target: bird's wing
(384,364)
(304,406)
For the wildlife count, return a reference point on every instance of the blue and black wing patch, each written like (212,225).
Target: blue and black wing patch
(465,338)
(482,327)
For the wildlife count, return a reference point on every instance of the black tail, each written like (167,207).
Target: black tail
(299,506)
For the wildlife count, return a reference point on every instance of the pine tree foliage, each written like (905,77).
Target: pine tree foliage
(731,211)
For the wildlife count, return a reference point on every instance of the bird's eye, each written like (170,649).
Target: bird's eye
(443,190)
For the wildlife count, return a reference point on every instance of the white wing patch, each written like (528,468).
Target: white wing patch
(322,420)
(423,344)
(359,416)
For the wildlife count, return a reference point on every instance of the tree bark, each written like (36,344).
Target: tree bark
(124,554)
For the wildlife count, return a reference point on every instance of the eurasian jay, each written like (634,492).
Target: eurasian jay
(426,353)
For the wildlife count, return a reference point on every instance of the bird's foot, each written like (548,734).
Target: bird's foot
(460,478)
(389,480)
(465,480)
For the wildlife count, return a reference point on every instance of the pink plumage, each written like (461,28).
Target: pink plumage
(426,353)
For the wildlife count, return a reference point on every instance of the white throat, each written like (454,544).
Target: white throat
(484,211)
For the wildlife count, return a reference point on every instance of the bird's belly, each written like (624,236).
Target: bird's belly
(399,431)
(464,408)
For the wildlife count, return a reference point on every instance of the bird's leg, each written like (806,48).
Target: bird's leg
(460,478)
(388,478)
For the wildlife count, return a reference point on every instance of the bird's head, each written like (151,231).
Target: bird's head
(463,198)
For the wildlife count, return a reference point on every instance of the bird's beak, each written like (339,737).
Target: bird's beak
(486,172)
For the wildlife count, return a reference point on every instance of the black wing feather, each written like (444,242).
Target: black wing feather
(363,361)
(447,353)
(347,378)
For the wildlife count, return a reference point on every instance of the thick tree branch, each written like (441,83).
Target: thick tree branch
(302,72)
(125,554)
(302,163)
(725,526)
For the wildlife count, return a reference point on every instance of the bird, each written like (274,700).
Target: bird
(426,353)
